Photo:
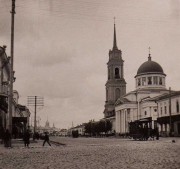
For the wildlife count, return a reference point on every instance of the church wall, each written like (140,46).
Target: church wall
(149,109)
(125,113)
(131,97)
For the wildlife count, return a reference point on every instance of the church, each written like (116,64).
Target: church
(150,100)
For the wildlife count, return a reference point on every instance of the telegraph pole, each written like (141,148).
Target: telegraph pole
(35,101)
(35,114)
(11,69)
(170,121)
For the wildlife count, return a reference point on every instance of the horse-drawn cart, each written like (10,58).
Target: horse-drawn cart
(142,129)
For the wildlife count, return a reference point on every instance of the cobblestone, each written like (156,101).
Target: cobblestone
(93,153)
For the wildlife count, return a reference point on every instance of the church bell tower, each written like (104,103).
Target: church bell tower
(116,84)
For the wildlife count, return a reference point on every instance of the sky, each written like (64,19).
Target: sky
(61,50)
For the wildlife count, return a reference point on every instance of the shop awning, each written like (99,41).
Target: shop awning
(19,119)
(166,119)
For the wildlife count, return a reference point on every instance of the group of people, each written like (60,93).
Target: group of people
(5,137)
(27,139)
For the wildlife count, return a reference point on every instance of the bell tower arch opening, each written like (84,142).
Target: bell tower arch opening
(117,75)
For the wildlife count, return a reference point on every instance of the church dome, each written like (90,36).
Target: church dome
(150,67)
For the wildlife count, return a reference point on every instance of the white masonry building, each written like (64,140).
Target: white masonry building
(150,100)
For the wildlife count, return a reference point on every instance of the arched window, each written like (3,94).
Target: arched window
(177,106)
(117,93)
(117,73)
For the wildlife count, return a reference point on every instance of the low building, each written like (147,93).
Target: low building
(63,132)
(169,113)
(79,128)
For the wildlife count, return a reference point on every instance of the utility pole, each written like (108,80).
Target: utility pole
(35,101)
(10,100)
(170,121)
(35,114)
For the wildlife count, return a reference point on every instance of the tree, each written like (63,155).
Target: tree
(108,126)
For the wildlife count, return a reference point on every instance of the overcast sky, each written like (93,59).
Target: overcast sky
(61,50)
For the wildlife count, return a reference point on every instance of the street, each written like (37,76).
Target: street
(93,153)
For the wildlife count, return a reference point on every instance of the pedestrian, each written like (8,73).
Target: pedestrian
(157,133)
(7,138)
(2,131)
(46,139)
(26,138)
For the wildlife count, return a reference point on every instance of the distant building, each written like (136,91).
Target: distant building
(79,128)
(63,132)
(47,128)
(116,84)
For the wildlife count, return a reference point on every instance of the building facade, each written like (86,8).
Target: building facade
(115,85)
(4,81)
(20,113)
(150,100)
(169,113)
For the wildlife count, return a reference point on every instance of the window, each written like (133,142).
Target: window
(145,113)
(160,80)
(155,79)
(161,110)
(177,106)
(143,81)
(149,80)
(117,73)
(139,82)
(165,110)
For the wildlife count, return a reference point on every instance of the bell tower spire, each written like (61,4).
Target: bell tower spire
(116,84)
(115,42)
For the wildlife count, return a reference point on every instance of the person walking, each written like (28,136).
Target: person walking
(26,138)
(46,139)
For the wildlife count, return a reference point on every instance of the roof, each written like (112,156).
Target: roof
(150,67)
(166,95)
(122,100)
